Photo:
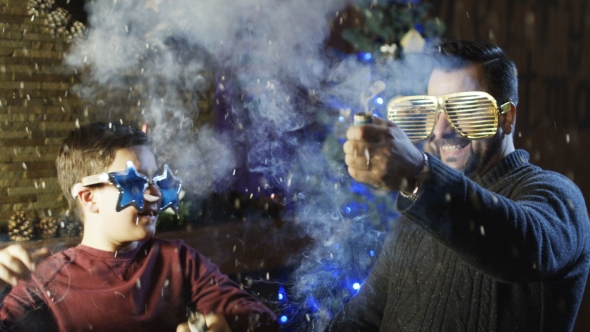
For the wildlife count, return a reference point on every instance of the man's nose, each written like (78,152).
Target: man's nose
(442,128)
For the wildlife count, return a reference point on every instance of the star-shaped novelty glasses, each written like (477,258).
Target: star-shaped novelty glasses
(132,185)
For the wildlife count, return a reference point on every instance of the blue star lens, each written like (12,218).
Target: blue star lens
(131,185)
(169,186)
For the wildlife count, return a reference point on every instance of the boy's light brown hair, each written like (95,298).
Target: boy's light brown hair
(90,150)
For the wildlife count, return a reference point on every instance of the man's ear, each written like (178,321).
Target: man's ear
(507,121)
(86,198)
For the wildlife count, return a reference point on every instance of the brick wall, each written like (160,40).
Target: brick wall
(36,112)
(38,109)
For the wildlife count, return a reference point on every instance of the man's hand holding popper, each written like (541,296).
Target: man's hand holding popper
(381,154)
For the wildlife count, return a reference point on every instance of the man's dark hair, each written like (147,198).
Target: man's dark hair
(90,150)
(500,71)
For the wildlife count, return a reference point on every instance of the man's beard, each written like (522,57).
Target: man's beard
(471,165)
(476,160)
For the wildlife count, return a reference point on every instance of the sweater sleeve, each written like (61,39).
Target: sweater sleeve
(539,232)
(214,292)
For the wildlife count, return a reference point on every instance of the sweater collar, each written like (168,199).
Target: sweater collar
(506,166)
(109,254)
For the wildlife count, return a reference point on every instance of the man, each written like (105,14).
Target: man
(486,241)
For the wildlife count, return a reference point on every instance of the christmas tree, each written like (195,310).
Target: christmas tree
(388,43)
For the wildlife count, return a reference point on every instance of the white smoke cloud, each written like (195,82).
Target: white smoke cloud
(268,60)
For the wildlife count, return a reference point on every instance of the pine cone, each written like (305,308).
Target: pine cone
(37,7)
(70,227)
(20,227)
(47,227)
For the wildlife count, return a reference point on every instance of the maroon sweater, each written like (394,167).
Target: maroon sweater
(146,289)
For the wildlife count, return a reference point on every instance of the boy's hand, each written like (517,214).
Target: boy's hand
(16,263)
(215,323)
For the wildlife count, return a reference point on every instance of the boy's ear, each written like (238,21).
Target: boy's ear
(86,197)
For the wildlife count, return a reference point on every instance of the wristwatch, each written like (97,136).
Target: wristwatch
(414,195)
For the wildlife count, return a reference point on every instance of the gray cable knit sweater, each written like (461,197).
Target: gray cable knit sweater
(510,252)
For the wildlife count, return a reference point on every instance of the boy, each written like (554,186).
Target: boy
(120,278)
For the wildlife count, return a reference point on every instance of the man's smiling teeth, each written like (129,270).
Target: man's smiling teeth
(449,148)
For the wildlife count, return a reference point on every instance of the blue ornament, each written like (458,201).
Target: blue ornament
(131,185)
(419,27)
(169,186)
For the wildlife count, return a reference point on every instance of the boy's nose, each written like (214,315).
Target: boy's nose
(442,128)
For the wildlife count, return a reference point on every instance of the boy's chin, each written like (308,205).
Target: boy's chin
(150,231)
(146,232)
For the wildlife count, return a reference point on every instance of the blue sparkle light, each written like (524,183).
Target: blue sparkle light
(283,319)
(341,119)
(356,286)
(355,208)
(366,56)
(313,304)
(379,100)
(282,295)
(361,189)
(372,253)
